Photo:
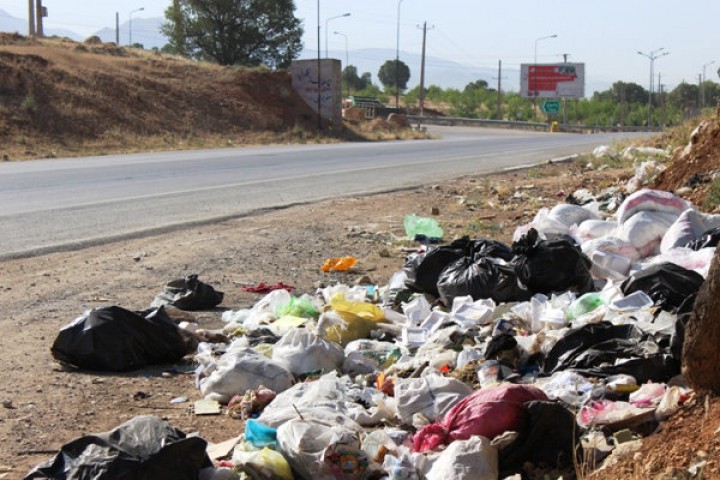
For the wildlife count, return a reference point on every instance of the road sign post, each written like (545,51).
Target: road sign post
(550,106)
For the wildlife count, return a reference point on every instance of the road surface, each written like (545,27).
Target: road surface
(59,204)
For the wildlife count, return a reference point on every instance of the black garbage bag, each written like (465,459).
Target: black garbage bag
(481,278)
(710,238)
(603,349)
(668,284)
(485,247)
(498,344)
(547,266)
(143,448)
(424,269)
(547,439)
(189,293)
(115,339)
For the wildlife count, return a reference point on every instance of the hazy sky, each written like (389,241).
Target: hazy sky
(604,34)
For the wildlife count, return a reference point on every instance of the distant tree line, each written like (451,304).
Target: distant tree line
(266,32)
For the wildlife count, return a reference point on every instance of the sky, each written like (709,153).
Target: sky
(605,35)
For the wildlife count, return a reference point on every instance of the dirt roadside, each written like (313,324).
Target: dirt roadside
(44,406)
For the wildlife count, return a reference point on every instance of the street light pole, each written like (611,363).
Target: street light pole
(652,56)
(130,23)
(535,91)
(319,116)
(702,85)
(326,30)
(347,58)
(397,59)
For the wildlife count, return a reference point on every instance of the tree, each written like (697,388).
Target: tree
(235,32)
(684,97)
(351,78)
(627,92)
(388,71)
(476,85)
(700,354)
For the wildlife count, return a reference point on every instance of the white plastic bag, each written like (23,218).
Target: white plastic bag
(569,214)
(300,352)
(240,370)
(591,229)
(613,245)
(645,230)
(330,400)
(651,201)
(471,459)
(689,226)
(309,448)
(431,395)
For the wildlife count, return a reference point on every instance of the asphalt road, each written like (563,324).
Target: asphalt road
(59,204)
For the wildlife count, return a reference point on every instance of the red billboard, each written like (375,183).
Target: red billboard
(559,80)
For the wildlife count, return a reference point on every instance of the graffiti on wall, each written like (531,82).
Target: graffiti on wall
(325,87)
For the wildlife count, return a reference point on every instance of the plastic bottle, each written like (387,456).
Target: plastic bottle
(585,304)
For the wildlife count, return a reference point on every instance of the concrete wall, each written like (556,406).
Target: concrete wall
(305,82)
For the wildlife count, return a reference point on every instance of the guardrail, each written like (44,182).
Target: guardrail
(537,126)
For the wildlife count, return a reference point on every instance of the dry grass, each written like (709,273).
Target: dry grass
(62,98)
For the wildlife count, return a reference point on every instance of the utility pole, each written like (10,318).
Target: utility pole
(565,57)
(700,105)
(117,29)
(39,14)
(661,87)
(499,93)
(422,70)
(31,18)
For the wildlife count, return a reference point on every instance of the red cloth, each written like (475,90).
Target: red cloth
(263,287)
(488,412)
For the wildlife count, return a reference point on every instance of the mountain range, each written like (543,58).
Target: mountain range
(438,71)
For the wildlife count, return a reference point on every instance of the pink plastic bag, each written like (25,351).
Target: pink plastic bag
(488,412)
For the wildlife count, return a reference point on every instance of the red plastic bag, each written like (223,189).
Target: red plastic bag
(488,412)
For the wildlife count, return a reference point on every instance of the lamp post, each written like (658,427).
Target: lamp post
(347,58)
(326,29)
(652,56)
(535,60)
(130,23)
(319,116)
(702,86)
(397,59)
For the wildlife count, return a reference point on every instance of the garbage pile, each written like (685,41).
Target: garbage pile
(476,360)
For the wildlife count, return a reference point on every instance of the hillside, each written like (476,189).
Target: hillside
(63,98)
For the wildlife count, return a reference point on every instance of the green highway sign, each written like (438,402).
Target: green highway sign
(550,106)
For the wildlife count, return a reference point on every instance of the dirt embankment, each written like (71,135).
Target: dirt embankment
(63,98)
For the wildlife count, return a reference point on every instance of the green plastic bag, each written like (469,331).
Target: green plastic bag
(298,307)
(427,227)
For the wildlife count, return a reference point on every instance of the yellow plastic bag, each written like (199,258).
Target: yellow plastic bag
(359,319)
(269,460)
(276,463)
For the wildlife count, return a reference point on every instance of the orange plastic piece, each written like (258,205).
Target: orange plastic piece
(340,264)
